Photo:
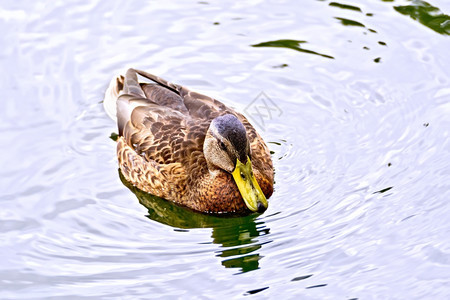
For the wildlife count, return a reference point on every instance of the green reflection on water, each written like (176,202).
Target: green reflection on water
(235,234)
(290,44)
(348,22)
(427,15)
(345,6)
(114,136)
(383,190)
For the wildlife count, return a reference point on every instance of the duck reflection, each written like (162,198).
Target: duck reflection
(236,235)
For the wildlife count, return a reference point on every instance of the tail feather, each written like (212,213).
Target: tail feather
(112,93)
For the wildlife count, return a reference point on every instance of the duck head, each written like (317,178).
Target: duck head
(227,148)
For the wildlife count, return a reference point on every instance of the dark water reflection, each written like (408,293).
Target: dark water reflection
(345,6)
(290,44)
(428,15)
(237,236)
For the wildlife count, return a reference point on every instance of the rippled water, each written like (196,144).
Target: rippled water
(359,130)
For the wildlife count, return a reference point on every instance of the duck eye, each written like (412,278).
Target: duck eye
(243,176)
(222,145)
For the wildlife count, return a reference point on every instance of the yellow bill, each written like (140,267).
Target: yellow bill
(248,187)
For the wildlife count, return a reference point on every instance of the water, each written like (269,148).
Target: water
(359,133)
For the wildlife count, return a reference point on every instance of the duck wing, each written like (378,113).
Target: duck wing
(198,106)
(155,123)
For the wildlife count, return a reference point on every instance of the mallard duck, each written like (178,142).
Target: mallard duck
(188,148)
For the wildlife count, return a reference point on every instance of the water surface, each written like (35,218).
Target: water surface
(354,103)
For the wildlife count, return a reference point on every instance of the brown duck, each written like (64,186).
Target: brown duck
(188,148)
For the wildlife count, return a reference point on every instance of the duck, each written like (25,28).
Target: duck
(188,148)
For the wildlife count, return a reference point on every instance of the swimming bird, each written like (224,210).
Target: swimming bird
(188,148)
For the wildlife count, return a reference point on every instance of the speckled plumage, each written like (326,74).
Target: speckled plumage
(162,127)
